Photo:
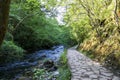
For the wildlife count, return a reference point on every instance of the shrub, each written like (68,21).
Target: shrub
(9,52)
(39,74)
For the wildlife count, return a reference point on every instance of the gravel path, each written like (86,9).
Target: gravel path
(83,68)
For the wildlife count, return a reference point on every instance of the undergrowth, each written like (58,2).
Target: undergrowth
(64,70)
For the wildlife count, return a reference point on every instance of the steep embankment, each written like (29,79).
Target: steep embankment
(106,47)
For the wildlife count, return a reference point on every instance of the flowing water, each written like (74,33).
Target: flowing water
(31,60)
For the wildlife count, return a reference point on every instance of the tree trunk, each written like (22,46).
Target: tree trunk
(4,12)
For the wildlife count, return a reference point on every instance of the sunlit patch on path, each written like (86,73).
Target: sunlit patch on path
(83,68)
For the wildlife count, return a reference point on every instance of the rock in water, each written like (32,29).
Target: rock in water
(48,64)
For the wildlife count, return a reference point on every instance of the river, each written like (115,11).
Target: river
(14,70)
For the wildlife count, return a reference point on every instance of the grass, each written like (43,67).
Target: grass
(64,70)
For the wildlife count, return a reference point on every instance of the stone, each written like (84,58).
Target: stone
(116,78)
(103,79)
(93,76)
(85,79)
(96,71)
(29,73)
(94,79)
(106,77)
(107,74)
(85,76)
(56,73)
(83,68)
(48,64)
(89,73)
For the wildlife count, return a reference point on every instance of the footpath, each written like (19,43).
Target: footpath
(83,68)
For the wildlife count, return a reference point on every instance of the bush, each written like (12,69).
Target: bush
(9,52)
(39,74)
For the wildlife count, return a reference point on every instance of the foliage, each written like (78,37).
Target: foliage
(34,31)
(9,52)
(39,74)
(80,30)
(95,24)
(30,5)
(39,33)
(78,22)
(8,36)
(64,70)
(103,43)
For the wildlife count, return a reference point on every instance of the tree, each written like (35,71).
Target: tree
(117,11)
(4,12)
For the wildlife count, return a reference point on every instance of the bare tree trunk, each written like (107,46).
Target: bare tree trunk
(4,12)
(117,12)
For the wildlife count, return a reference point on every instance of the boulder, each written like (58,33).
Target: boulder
(48,64)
